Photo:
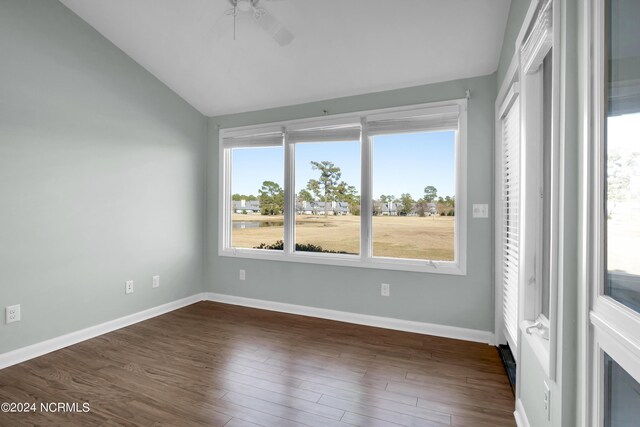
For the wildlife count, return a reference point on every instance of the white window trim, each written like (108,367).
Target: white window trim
(605,325)
(365,258)
(540,332)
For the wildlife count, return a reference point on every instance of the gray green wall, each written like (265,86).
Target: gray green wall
(102,177)
(463,301)
(517,13)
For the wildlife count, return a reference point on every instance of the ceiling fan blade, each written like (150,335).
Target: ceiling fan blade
(272,26)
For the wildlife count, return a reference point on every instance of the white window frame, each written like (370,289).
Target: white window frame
(365,258)
(543,37)
(605,325)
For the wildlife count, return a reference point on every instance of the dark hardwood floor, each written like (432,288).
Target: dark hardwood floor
(213,364)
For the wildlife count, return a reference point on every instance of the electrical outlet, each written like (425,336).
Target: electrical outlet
(13,313)
(128,287)
(155,282)
(547,401)
(385,289)
(243,275)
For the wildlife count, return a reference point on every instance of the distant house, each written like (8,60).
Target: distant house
(246,206)
(318,208)
(387,209)
(430,209)
(395,209)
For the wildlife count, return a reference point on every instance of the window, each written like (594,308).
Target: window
(253,206)
(539,174)
(414,181)
(623,202)
(307,190)
(610,264)
(622,151)
(257,196)
(621,396)
(327,185)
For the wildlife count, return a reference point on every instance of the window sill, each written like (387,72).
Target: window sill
(433,267)
(538,344)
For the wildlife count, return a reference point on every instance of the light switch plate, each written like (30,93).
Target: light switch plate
(481,211)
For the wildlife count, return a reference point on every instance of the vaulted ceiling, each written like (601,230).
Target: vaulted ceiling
(341,47)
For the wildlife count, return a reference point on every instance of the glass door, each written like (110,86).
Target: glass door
(615,280)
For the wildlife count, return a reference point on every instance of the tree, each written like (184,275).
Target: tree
(407,203)
(348,193)
(271,198)
(445,206)
(325,186)
(237,197)
(305,196)
(421,207)
(313,186)
(620,169)
(430,193)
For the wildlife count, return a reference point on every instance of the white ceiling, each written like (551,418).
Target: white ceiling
(341,47)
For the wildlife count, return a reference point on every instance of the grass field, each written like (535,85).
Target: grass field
(393,236)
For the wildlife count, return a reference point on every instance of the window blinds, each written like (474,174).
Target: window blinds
(511,219)
(347,131)
(266,137)
(429,119)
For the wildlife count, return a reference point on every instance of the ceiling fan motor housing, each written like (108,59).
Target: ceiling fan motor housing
(244,5)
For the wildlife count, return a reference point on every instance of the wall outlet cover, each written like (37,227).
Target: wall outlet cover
(128,287)
(243,275)
(13,313)
(547,401)
(385,289)
(155,282)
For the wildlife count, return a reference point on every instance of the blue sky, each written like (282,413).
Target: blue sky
(401,164)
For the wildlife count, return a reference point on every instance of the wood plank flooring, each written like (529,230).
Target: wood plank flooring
(213,364)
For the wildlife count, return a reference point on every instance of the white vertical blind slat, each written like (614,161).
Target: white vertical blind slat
(510,175)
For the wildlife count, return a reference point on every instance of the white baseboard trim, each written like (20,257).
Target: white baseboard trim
(39,349)
(25,353)
(360,319)
(521,415)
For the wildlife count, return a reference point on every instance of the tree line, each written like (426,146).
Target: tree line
(329,187)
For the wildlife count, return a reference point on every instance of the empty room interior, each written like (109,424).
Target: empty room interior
(320,213)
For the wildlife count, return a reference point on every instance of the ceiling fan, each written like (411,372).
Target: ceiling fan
(265,19)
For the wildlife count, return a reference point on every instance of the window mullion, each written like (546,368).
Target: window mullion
(366,209)
(225,215)
(289,195)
